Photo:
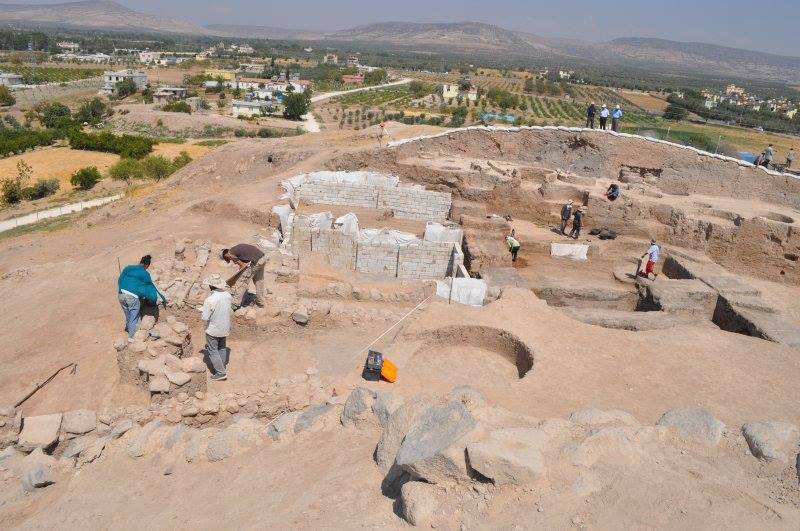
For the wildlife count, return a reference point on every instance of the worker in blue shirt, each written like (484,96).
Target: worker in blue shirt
(134,286)
(615,116)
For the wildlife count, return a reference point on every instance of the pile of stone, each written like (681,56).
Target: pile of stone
(451,456)
(38,449)
(178,277)
(159,358)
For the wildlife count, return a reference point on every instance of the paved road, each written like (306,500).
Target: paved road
(310,123)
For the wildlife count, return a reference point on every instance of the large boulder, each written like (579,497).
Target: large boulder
(79,422)
(358,407)
(418,502)
(510,456)
(696,424)
(37,476)
(396,429)
(434,448)
(283,427)
(311,416)
(611,445)
(39,432)
(233,440)
(772,440)
(385,404)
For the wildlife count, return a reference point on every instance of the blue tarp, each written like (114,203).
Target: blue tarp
(490,116)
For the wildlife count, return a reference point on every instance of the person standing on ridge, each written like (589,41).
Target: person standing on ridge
(566,213)
(615,118)
(590,112)
(652,257)
(577,222)
(767,156)
(790,158)
(603,116)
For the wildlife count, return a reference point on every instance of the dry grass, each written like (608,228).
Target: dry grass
(57,162)
(644,100)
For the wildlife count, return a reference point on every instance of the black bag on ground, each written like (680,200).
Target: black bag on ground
(373,366)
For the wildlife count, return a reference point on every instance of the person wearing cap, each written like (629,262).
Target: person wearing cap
(217,313)
(652,257)
(603,116)
(513,245)
(566,212)
(615,118)
(135,285)
(590,112)
(251,262)
(577,222)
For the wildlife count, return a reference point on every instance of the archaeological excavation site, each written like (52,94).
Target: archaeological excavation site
(566,384)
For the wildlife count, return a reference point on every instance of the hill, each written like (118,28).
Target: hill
(104,15)
(261,32)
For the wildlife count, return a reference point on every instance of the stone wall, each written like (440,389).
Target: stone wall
(405,202)
(425,260)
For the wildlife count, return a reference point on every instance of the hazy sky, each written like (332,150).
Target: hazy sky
(765,25)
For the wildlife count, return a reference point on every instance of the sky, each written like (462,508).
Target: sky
(766,25)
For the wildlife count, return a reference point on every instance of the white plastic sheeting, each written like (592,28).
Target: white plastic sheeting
(292,184)
(470,291)
(575,251)
(386,237)
(269,243)
(348,224)
(320,220)
(283,212)
(586,130)
(436,232)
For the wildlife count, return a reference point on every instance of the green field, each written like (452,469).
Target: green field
(34,75)
(398,96)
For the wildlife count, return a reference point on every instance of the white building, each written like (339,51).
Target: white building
(110,80)
(448,90)
(69,46)
(330,59)
(252,108)
(98,58)
(148,57)
(8,80)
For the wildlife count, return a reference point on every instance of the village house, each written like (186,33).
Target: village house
(352,60)
(330,59)
(252,108)
(452,91)
(149,57)
(167,94)
(110,80)
(97,58)
(353,79)
(9,80)
(69,46)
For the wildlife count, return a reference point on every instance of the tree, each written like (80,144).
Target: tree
(12,190)
(125,88)
(464,84)
(92,112)
(85,178)
(459,115)
(177,106)
(181,160)
(6,98)
(295,106)
(156,167)
(529,86)
(376,77)
(417,89)
(54,115)
(675,112)
(43,188)
(126,170)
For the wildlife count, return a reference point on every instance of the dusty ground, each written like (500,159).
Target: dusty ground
(65,310)
(645,100)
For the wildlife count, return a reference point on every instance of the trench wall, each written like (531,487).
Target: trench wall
(405,202)
(425,260)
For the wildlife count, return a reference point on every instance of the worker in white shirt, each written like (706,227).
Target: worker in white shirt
(513,245)
(217,314)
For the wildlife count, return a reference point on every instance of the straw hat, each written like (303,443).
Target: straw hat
(215,281)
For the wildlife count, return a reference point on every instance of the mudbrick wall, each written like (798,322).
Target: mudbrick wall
(405,202)
(423,260)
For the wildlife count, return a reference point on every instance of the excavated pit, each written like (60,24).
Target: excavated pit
(489,339)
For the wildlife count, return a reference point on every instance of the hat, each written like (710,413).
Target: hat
(570,201)
(215,281)
(603,105)
(652,241)
(617,107)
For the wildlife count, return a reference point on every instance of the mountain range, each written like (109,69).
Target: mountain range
(467,39)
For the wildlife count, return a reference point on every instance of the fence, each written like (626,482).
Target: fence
(55,212)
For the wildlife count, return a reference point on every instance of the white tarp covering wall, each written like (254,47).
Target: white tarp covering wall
(386,237)
(575,251)
(284,212)
(348,224)
(321,220)
(436,232)
(470,291)
(292,184)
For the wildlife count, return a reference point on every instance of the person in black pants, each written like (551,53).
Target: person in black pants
(590,112)
(577,220)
